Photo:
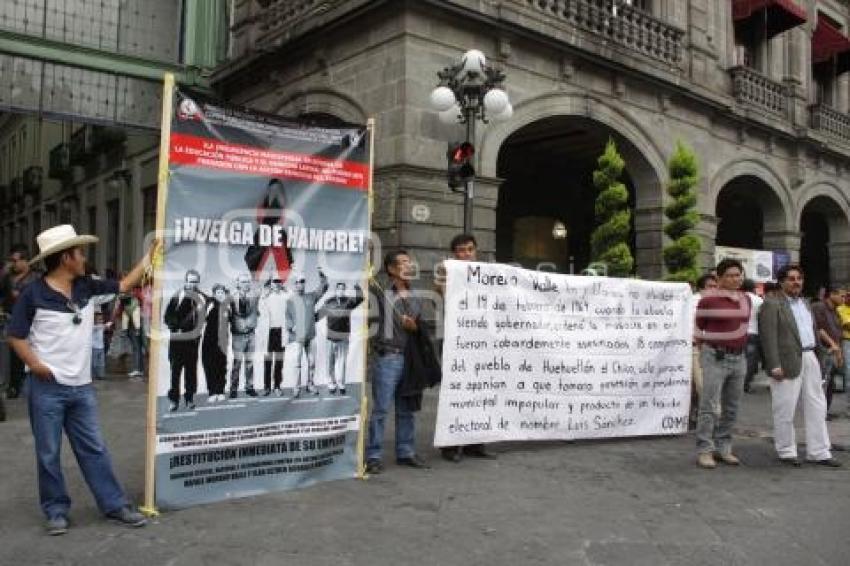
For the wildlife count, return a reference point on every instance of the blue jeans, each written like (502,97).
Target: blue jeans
(53,407)
(98,363)
(135,337)
(386,376)
(722,389)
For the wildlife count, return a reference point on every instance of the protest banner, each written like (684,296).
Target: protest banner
(532,356)
(259,327)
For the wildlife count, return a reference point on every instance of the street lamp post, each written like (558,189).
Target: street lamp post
(469,91)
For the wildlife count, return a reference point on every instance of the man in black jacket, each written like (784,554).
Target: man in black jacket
(184,318)
(338,312)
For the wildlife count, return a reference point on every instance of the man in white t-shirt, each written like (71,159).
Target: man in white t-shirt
(753,345)
(51,331)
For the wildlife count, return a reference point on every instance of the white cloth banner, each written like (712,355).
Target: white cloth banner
(532,356)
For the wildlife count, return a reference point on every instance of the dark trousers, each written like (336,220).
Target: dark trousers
(753,352)
(16,374)
(274,359)
(183,355)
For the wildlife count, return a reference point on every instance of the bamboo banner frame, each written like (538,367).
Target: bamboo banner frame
(364,399)
(149,506)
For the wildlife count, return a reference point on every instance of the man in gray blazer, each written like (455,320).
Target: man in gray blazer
(788,340)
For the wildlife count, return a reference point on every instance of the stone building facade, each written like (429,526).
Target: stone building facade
(768,121)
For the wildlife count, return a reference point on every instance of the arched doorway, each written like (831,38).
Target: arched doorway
(545,213)
(747,208)
(822,224)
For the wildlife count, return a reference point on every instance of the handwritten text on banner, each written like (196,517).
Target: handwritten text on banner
(530,355)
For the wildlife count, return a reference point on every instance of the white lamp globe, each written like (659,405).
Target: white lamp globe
(496,100)
(504,115)
(442,98)
(474,61)
(450,116)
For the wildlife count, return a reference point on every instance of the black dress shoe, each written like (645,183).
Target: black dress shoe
(267,392)
(374,467)
(829,463)
(478,451)
(233,394)
(250,393)
(791,462)
(451,454)
(413,462)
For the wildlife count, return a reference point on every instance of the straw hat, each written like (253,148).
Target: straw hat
(59,238)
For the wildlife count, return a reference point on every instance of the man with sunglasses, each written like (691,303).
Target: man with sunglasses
(51,331)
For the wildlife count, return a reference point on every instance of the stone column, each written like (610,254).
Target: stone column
(797,74)
(649,242)
(706,230)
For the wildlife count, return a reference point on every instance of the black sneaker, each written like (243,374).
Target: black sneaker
(374,467)
(56,526)
(190,404)
(127,516)
(250,393)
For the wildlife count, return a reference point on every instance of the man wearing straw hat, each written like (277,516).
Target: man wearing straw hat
(51,330)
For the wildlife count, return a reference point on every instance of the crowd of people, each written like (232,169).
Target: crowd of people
(802,348)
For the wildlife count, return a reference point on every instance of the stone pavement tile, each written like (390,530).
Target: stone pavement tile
(624,553)
(697,554)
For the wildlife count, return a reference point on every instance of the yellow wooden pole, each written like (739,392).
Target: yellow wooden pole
(364,400)
(149,507)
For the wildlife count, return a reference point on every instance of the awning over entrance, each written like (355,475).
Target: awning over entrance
(830,47)
(774,16)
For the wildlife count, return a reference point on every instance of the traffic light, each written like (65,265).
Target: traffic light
(461,170)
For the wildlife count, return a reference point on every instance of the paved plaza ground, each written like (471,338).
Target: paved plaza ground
(622,502)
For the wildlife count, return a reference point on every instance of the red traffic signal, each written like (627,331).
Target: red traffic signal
(460,168)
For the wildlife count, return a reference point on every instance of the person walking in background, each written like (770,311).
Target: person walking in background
(18,275)
(828,326)
(722,318)
(843,312)
(129,321)
(753,348)
(51,331)
(98,352)
(215,343)
(789,337)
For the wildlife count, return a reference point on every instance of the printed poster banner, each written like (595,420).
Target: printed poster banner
(263,305)
(758,264)
(535,356)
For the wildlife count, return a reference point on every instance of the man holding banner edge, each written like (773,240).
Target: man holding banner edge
(51,330)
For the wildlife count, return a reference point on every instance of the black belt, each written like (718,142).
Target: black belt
(725,350)
(386,351)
